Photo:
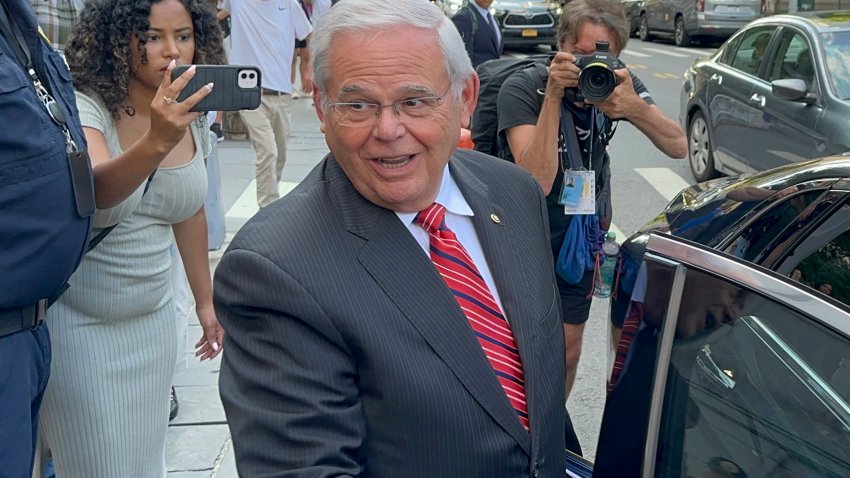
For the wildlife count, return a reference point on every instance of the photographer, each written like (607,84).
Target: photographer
(530,109)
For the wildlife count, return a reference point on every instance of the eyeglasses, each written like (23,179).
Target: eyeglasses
(408,111)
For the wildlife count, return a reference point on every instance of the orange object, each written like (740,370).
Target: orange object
(465,141)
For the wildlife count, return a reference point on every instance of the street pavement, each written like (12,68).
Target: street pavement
(199,442)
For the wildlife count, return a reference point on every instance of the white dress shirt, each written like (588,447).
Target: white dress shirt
(459,220)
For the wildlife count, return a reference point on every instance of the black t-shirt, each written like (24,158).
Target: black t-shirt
(519,103)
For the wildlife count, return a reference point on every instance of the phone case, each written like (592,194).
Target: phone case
(229,93)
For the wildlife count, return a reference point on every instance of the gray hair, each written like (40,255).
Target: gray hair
(607,13)
(370,16)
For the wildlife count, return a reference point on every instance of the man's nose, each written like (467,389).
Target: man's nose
(388,125)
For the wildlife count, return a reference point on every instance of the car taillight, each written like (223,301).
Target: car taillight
(700,5)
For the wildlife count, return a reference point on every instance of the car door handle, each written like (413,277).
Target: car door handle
(717,78)
(757,99)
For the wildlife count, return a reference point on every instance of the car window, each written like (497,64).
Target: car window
(793,59)
(728,54)
(836,49)
(822,261)
(751,49)
(754,389)
(773,229)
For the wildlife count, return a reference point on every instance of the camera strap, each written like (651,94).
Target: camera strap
(572,149)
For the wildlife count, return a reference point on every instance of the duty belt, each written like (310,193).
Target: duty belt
(17,320)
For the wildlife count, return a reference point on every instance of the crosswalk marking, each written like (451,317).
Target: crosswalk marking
(246,206)
(666,52)
(634,53)
(665,181)
(693,51)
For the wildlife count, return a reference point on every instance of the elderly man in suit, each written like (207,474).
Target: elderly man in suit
(480,31)
(396,314)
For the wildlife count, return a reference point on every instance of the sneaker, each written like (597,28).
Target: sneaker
(175,406)
(216,128)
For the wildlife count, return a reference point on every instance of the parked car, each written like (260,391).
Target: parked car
(735,358)
(632,9)
(751,108)
(522,23)
(685,20)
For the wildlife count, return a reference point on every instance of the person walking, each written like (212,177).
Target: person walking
(264,34)
(480,31)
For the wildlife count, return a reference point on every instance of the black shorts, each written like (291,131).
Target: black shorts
(300,43)
(576,298)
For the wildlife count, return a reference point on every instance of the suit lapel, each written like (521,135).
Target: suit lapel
(499,240)
(421,295)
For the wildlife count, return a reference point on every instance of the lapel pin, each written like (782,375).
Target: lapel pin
(495,219)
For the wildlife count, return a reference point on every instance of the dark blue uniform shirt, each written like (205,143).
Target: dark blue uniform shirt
(42,237)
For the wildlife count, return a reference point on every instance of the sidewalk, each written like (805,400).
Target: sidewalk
(199,442)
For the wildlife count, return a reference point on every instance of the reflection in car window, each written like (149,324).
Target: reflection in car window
(822,262)
(751,50)
(728,55)
(753,388)
(836,48)
(793,59)
(772,227)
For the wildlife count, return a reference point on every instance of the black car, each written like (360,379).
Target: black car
(778,92)
(733,354)
(522,23)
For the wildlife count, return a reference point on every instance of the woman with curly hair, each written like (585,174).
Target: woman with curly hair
(105,411)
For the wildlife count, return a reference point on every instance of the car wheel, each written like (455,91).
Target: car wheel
(700,155)
(681,36)
(643,28)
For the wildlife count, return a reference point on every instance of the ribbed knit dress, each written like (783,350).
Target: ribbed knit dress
(105,411)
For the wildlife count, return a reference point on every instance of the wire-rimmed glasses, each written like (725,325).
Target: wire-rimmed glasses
(409,110)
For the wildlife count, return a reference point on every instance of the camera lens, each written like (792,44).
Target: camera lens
(244,75)
(597,82)
(251,76)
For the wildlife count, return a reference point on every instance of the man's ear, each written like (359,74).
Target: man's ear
(469,98)
(317,103)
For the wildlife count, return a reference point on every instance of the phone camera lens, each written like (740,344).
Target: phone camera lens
(244,76)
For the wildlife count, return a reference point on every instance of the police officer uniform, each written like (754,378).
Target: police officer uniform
(46,203)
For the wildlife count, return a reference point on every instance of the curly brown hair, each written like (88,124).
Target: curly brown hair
(98,53)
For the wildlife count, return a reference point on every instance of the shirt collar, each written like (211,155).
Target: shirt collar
(483,11)
(449,196)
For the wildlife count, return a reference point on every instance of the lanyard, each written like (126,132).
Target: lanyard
(568,131)
(11,30)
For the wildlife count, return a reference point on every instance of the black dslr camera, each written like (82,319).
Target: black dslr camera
(597,80)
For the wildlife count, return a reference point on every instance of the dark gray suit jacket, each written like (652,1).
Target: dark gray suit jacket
(346,354)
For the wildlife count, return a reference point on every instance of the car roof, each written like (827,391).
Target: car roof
(819,21)
(821,168)
(700,200)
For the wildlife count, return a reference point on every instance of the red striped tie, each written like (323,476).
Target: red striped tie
(475,299)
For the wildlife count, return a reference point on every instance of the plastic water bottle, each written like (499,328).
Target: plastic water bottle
(605,278)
